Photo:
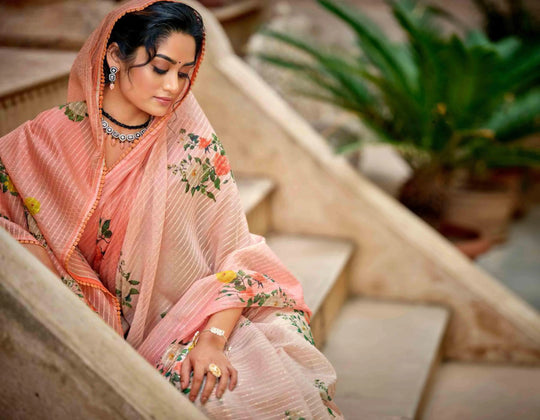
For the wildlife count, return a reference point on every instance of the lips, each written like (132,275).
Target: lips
(163,100)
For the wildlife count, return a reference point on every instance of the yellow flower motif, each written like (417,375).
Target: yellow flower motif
(226,276)
(9,185)
(33,205)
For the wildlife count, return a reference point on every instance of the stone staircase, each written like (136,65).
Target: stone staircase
(386,353)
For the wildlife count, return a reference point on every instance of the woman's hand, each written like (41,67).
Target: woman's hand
(209,349)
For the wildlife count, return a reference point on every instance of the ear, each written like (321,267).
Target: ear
(112,55)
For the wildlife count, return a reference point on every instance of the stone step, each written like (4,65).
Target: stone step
(482,392)
(35,80)
(321,265)
(234,9)
(255,194)
(384,354)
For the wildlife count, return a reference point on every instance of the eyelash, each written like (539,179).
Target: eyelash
(162,72)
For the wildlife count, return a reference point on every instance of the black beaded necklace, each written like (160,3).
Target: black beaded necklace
(129,127)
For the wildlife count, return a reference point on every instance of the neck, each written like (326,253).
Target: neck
(124,111)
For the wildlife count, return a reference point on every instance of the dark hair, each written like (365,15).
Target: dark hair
(148,27)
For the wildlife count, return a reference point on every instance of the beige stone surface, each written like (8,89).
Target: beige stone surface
(384,353)
(484,392)
(255,194)
(399,257)
(24,69)
(58,25)
(253,191)
(67,363)
(317,262)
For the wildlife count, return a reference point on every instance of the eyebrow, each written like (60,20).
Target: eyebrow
(170,60)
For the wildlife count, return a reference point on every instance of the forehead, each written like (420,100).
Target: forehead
(178,46)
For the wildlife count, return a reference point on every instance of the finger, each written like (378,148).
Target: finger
(185,371)
(198,375)
(208,387)
(222,384)
(234,378)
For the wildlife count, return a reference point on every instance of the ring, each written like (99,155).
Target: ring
(214,370)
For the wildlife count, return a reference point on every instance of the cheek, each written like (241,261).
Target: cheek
(143,80)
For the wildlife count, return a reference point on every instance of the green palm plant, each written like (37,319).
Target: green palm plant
(443,101)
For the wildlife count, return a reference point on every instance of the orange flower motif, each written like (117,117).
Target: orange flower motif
(226,276)
(258,277)
(221,164)
(204,143)
(246,294)
(32,205)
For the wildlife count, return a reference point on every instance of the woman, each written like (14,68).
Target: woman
(127,194)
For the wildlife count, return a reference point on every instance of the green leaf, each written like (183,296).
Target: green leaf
(187,187)
(133,291)
(107,234)
(217,183)
(210,195)
(134,282)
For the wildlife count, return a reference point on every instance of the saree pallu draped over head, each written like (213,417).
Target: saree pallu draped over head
(186,252)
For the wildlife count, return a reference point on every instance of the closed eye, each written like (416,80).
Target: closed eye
(162,72)
(159,71)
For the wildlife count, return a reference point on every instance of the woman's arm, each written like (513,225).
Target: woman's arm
(209,349)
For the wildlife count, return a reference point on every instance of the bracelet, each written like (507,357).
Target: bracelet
(214,330)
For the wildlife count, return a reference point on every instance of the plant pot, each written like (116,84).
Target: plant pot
(469,241)
(486,211)
(424,193)
(512,179)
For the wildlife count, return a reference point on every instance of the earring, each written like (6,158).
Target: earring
(112,76)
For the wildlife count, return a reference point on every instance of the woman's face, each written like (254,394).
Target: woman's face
(155,87)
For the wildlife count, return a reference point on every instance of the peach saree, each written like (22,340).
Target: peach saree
(159,242)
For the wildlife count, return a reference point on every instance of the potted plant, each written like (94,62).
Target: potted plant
(454,108)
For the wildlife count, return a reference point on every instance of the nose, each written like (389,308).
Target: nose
(171,83)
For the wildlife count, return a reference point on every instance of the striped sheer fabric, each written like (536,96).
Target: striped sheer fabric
(159,242)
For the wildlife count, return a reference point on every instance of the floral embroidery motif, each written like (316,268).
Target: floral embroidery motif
(243,285)
(293,415)
(298,320)
(226,276)
(74,286)
(201,173)
(5,181)
(244,323)
(126,300)
(33,228)
(104,235)
(33,205)
(75,111)
(323,390)
(170,364)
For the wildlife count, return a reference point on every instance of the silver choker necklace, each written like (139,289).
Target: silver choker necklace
(130,138)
